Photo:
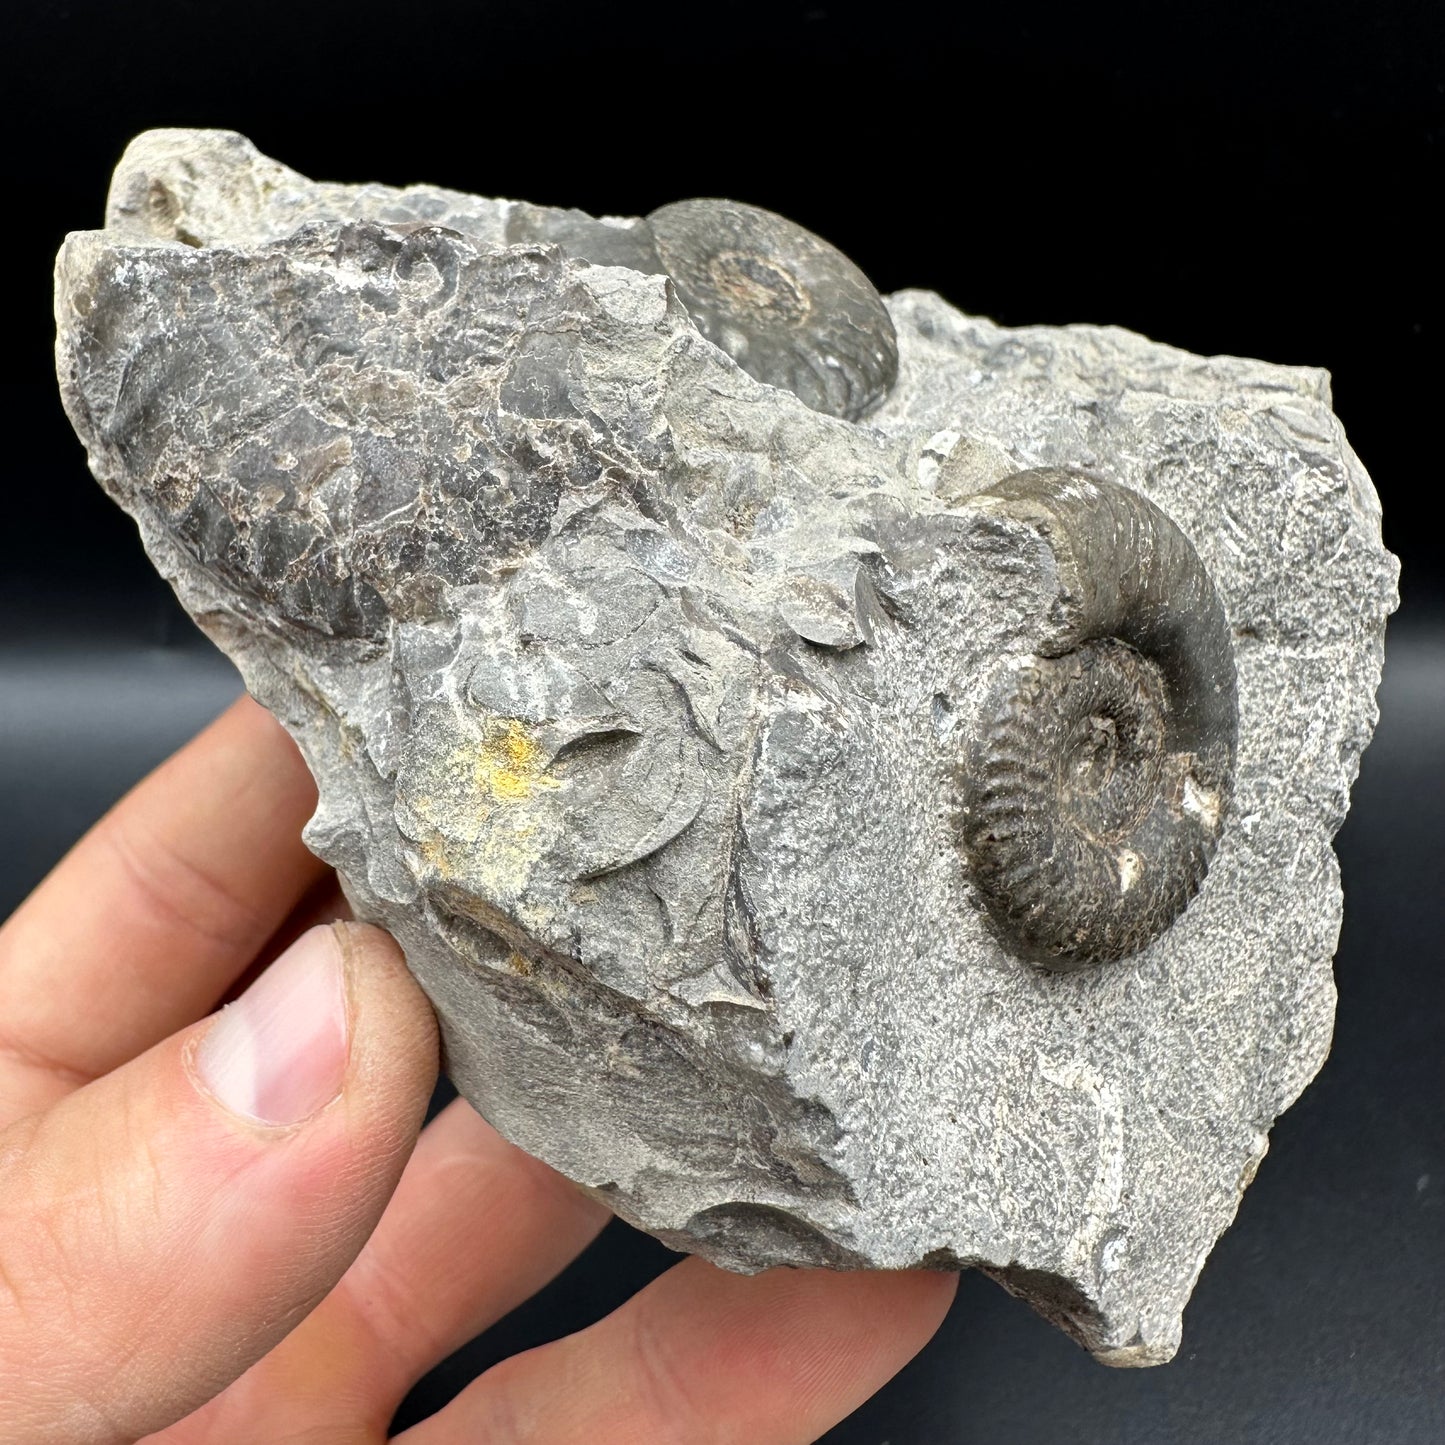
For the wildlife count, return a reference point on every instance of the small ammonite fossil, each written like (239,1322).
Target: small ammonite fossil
(1101,772)
(790,309)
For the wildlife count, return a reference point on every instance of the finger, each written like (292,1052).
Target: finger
(201,861)
(701,1355)
(164,1227)
(323,902)
(475,1228)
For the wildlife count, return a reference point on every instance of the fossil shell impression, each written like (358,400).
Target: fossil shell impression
(1098,785)
(789,308)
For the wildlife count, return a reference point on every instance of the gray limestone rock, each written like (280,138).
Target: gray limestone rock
(822,843)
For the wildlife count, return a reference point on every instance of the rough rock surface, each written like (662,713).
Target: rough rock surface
(637,691)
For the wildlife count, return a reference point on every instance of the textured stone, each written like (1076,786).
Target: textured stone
(641,698)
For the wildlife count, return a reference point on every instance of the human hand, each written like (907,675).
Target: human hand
(225,1228)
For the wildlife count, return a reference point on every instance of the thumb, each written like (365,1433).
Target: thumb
(162,1228)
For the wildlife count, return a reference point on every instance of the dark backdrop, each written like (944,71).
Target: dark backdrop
(1254,178)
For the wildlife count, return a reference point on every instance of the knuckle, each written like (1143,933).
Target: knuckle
(178,892)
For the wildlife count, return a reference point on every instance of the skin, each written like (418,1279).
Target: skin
(171,1270)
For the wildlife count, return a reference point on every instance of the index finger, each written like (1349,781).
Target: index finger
(701,1355)
(146,922)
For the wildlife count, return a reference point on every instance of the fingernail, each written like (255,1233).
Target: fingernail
(278,1053)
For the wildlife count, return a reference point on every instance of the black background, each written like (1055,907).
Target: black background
(1259,179)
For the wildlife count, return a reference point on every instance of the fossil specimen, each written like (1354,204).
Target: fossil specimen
(1100,773)
(730,687)
(787,307)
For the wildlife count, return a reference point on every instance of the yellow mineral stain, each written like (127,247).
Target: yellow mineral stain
(435,855)
(508,764)
(468,821)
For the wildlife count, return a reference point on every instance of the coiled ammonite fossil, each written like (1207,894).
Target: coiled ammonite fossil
(790,309)
(1101,773)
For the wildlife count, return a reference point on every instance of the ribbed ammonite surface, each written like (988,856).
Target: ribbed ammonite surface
(1099,778)
(789,308)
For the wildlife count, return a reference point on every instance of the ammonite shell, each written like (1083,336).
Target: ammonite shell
(790,309)
(1097,787)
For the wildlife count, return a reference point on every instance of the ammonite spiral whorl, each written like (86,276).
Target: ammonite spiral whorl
(790,309)
(1101,773)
